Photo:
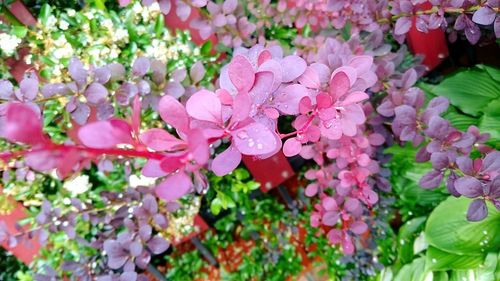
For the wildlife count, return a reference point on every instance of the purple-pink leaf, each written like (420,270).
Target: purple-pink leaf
(161,140)
(183,10)
(173,113)
(402,26)
(105,134)
(197,72)
(165,6)
(254,139)
(205,105)
(293,67)
(153,169)
(362,64)
(241,73)
(358,227)
(174,186)
(341,81)
(477,210)
(141,66)
(485,16)
(29,88)
(310,78)
(241,107)
(469,186)
(226,162)
(229,6)
(96,93)
(77,71)
(288,100)
(431,180)
(291,147)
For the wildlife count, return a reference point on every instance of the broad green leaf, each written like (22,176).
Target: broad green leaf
(440,260)
(440,276)
(492,71)
(407,234)
(448,230)
(460,121)
(412,272)
(159,25)
(491,125)
(471,90)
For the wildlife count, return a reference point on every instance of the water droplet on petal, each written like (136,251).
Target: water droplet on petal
(242,135)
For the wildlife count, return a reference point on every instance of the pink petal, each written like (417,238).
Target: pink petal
(153,169)
(341,81)
(198,147)
(275,68)
(241,107)
(291,147)
(288,100)
(205,105)
(172,162)
(105,134)
(173,113)
(323,100)
(310,78)
(293,67)
(362,64)
(354,97)
(197,72)
(22,124)
(161,140)
(311,189)
(254,139)
(262,88)
(241,73)
(174,187)
(226,162)
(347,245)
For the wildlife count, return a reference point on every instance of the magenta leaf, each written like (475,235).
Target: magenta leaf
(174,186)
(241,73)
(254,139)
(165,6)
(205,105)
(161,140)
(310,78)
(358,227)
(105,134)
(29,88)
(241,107)
(291,147)
(77,71)
(341,81)
(173,113)
(22,124)
(141,66)
(289,98)
(226,162)
(153,169)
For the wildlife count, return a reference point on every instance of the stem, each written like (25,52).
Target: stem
(433,10)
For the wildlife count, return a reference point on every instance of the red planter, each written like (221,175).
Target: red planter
(269,172)
(26,250)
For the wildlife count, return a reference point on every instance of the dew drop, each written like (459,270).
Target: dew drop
(259,146)
(434,260)
(485,232)
(242,135)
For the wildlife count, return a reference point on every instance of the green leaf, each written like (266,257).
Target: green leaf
(407,234)
(471,90)
(460,121)
(412,272)
(441,260)
(448,230)
(206,48)
(19,31)
(45,12)
(215,206)
(159,25)
(491,125)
